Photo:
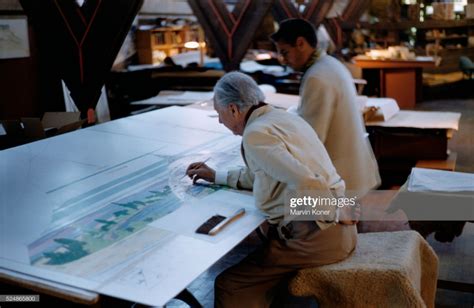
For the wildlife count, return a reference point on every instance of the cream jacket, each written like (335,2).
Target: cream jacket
(281,152)
(328,104)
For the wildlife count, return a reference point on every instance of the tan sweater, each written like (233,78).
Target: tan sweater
(328,105)
(282,152)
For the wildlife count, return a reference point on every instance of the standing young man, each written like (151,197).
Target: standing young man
(328,104)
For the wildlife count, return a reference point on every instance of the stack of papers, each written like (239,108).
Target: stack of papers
(176,98)
(421,119)
(253,66)
(284,101)
(424,180)
(381,109)
(191,97)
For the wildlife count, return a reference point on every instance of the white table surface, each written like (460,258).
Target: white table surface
(65,187)
(421,119)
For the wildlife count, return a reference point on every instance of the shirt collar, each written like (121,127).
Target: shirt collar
(314,57)
(255,111)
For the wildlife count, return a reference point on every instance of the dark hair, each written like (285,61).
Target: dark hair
(291,29)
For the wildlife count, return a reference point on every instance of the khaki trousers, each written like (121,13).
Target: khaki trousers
(256,280)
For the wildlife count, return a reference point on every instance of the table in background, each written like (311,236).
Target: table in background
(409,137)
(398,79)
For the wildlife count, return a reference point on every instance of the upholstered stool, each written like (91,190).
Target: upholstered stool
(387,269)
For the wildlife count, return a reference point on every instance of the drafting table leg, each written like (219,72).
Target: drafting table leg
(261,234)
(189,299)
(455,286)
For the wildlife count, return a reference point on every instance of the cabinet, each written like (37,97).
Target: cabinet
(398,79)
(154,45)
(447,39)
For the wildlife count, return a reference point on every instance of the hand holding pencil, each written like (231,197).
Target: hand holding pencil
(199,170)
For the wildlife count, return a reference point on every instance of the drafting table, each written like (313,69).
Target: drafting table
(183,98)
(409,137)
(106,209)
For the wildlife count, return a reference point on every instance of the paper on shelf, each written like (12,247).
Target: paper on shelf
(385,108)
(176,98)
(422,180)
(421,119)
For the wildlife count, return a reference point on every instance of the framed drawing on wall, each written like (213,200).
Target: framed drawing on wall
(14,37)
(10,5)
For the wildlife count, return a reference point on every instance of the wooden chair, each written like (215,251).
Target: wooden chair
(466,66)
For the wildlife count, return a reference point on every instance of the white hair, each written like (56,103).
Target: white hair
(239,89)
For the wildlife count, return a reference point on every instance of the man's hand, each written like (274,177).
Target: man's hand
(349,215)
(200,170)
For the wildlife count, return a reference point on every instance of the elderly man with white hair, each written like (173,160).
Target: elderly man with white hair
(282,154)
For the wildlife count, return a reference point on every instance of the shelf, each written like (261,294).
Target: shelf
(445,35)
(455,48)
(406,24)
(168,40)
(167,46)
(447,38)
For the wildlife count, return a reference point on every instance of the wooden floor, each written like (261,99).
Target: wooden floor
(456,264)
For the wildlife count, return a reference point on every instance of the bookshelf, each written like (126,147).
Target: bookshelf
(154,45)
(448,39)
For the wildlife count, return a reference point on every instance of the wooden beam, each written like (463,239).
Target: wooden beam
(354,10)
(230,33)
(314,12)
(352,13)
(81,43)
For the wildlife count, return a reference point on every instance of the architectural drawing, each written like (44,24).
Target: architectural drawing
(142,191)
(14,38)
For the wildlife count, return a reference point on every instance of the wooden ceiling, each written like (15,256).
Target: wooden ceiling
(232,32)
